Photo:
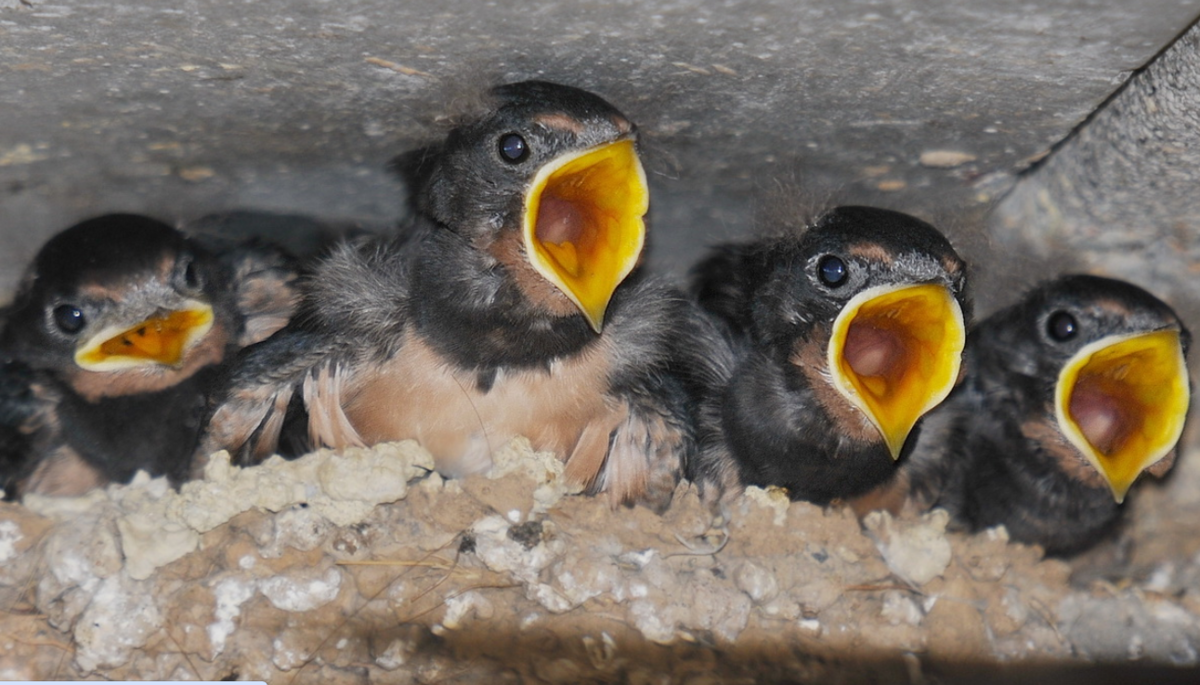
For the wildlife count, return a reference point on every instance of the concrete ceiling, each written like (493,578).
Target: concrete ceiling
(179,108)
(1119,197)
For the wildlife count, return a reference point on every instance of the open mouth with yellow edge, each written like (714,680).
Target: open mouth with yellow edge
(584,227)
(1122,401)
(895,353)
(161,340)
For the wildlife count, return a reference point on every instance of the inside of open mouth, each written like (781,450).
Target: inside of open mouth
(874,352)
(901,351)
(1101,414)
(589,214)
(563,227)
(160,340)
(1128,400)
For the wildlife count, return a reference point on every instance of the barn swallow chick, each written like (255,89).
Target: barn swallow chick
(1070,395)
(848,332)
(508,310)
(116,336)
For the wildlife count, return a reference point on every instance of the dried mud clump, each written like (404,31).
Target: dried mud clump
(366,566)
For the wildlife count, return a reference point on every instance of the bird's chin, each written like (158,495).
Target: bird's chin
(1121,401)
(895,353)
(584,225)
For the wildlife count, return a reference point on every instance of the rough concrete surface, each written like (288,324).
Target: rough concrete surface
(1120,197)
(186,107)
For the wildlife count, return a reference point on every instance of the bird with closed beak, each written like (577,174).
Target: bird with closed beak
(1070,395)
(119,332)
(511,308)
(847,333)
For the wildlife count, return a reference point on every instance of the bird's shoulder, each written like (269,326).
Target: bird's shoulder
(29,400)
(654,326)
(725,282)
(264,287)
(360,289)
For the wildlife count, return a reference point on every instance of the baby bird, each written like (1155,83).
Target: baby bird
(1070,395)
(118,333)
(847,333)
(507,310)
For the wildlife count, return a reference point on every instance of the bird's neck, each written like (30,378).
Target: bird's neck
(468,306)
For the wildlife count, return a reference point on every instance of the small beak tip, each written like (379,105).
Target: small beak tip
(596,322)
(895,443)
(1119,491)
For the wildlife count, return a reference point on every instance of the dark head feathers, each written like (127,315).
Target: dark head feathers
(107,251)
(471,189)
(1020,336)
(768,287)
(101,250)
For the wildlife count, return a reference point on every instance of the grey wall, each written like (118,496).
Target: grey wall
(183,107)
(1122,196)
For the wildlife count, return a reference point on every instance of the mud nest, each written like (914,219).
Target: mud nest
(365,566)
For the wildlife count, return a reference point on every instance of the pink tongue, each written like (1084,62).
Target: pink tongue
(871,351)
(1098,416)
(558,221)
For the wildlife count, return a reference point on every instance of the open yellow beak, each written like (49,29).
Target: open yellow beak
(583,227)
(1122,401)
(159,340)
(895,354)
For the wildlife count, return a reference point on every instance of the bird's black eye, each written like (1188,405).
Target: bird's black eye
(513,148)
(832,271)
(191,276)
(69,319)
(1062,326)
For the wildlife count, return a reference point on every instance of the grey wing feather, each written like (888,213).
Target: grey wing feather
(28,422)
(249,418)
(266,292)
(670,354)
(354,303)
